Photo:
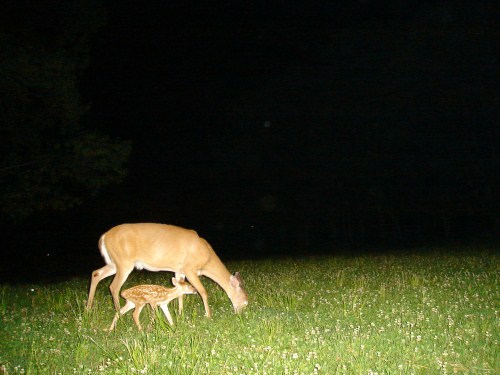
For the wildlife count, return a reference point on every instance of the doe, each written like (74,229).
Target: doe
(154,295)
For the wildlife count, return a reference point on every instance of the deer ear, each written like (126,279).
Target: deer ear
(235,280)
(238,277)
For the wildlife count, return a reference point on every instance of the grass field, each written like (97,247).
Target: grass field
(390,314)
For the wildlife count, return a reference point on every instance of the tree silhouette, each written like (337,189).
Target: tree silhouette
(49,159)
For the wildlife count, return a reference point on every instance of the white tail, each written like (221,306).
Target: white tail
(154,295)
(161,247)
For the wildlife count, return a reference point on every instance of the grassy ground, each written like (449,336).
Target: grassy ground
(429,314)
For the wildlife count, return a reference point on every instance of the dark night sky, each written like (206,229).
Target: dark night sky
(273,128)
(194,86)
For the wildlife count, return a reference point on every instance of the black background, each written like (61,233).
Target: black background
(290,129)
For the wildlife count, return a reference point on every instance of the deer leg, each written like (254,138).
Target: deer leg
(98,275)
(195,281)
(116,284)
(180,299)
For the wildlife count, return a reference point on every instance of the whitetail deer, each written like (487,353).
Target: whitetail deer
(154,295)
(161,247)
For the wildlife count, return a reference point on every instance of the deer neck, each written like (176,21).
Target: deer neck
(219,273)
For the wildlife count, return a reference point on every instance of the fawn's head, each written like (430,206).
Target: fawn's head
(183,286)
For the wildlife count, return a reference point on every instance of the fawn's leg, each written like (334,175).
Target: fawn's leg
(128,306)
(164,307)
(136,314)
(154,309)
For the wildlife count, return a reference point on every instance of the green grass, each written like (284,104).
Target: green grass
(408,314)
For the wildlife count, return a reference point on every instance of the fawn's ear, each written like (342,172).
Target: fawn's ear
(174,281)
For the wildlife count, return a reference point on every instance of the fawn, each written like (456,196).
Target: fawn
(154,295)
